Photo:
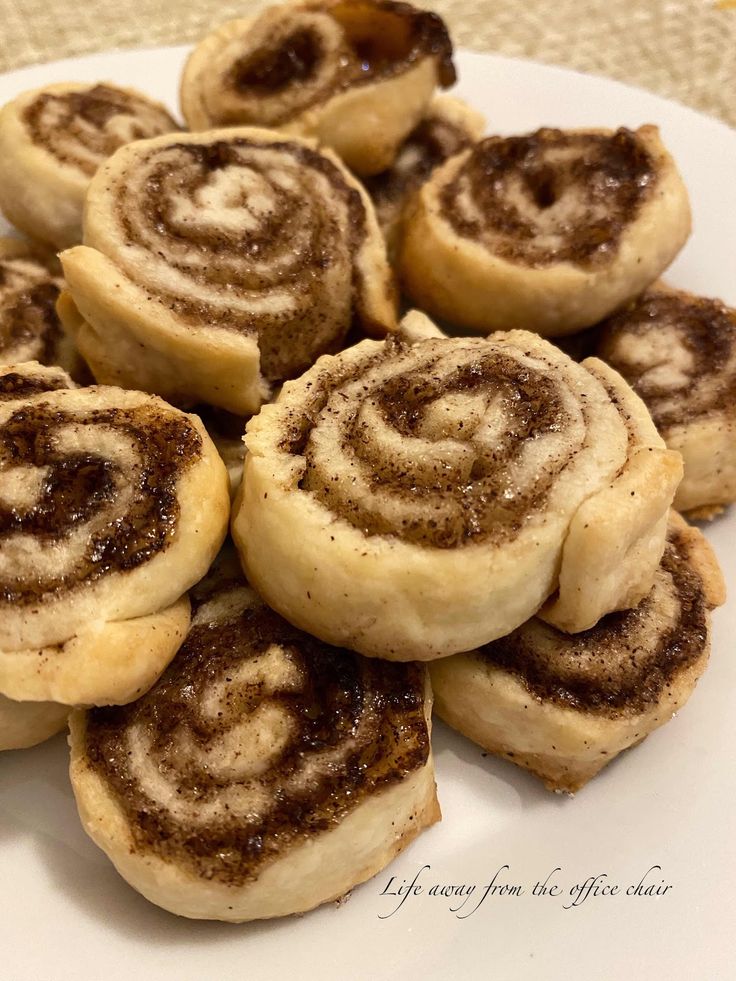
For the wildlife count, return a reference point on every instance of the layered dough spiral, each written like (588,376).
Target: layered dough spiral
(441,491)
(53,139)
(548,232)
(217,264)
(355,74)
(449,127)
(678,352)
(29,326)
(112,504)
(563,707)
(264,774)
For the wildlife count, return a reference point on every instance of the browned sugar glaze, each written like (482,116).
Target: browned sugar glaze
(495,501)
(16,385)
(289,342)
(75,126)
(432,142)
(28,308)
(705,328)
(382,39)
(612,174)
(83,487)
(624,663)
(337,690)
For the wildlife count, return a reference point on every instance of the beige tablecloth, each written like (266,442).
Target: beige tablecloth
(684,49)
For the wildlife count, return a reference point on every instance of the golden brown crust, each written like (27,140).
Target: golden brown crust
(258,750)
(678,352)
(53,139)
(215,265)
(564,706)
(355,75)
(548,232)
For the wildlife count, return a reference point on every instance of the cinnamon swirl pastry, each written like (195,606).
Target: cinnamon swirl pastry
(53,139)
(25,724)
(112,504)
(563,707)
(449,127)
(355,74)
(549,232)
(217,264)
(678,352)
(264,774)
(441,491)
(29,327)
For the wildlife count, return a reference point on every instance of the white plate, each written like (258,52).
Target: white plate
(669,803)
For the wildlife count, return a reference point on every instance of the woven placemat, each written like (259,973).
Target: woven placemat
(683,49)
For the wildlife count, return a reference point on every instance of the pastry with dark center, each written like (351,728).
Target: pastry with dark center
(563,707)
(264,774)
(217,264)
(678,352)
(355,74)
(449,127)
(548,232)
(29,326)
(441,490)
(112,505)
(53,139)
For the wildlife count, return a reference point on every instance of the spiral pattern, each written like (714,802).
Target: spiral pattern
(678,352)
(248,235)
(297,56)
(81,126)
(552,196)
(30,329)
(625,662)
(256,739)
(444,443)
(442,489)
(97,482)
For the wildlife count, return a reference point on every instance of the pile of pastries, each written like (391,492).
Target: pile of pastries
(472,414)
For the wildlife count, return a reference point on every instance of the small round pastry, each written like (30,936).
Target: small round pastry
(112,504)
(563,707)
(216,264)
(440,491)
(449,127)
(355,74)
(549,232)
(26,724)
(53,139)
(29,326)
(264,774)
(678,352)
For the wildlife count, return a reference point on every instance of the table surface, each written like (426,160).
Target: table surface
(683,49)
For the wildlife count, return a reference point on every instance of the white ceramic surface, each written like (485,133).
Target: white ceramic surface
(669,803)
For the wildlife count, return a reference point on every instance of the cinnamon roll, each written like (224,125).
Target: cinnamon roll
(441,491)
(449,127)
(29,326)
(563,707)
(53,139)
(264,774)
(217,264)
(678,352)
(25,724)
(549,232)
(112,504)
(355,74)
